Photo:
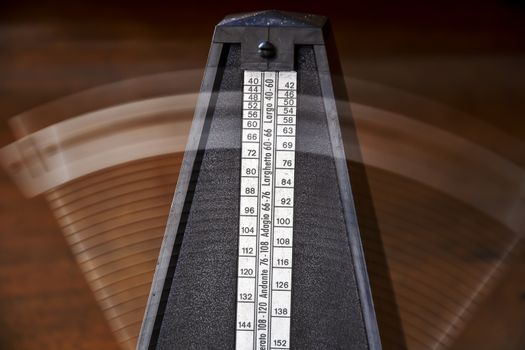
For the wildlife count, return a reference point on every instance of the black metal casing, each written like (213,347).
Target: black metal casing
(193,295)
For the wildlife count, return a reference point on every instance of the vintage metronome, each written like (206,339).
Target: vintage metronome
(262,247)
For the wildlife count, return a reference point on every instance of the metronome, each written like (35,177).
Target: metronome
(262,247)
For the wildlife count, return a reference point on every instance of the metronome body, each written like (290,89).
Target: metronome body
(262,247)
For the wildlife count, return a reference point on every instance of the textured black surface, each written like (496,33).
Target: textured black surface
(326,312)
(200,309)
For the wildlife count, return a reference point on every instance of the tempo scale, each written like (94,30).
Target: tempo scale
(266,210)
(262,248)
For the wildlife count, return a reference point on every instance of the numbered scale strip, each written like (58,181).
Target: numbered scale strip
(266,211)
